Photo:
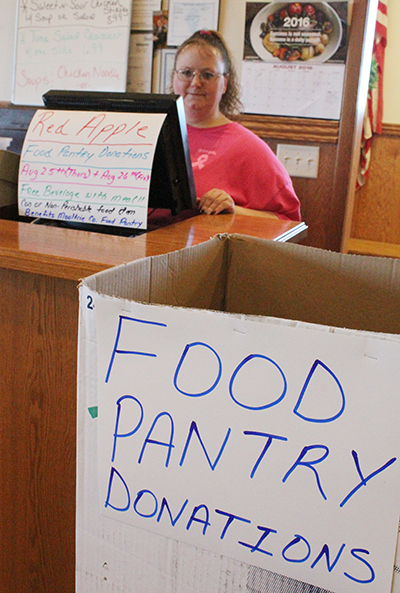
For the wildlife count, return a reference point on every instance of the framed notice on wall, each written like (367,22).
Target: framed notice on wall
(187,17)
(294,58)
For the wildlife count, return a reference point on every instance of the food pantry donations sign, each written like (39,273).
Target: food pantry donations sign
(88,167)
(70,44)
(273,445)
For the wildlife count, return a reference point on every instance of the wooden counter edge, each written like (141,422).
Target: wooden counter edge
(73,254)
(47,265)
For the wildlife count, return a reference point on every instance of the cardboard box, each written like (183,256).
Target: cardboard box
(9,164)
(238,411)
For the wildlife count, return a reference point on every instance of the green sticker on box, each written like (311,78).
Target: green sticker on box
(94,411)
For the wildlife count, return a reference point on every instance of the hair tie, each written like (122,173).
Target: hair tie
(204,32)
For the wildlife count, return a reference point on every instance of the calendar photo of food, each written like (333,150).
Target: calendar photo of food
(296,32)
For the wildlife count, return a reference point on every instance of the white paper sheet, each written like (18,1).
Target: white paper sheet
(187,17)
(294,90)
(142,14)
(88,167)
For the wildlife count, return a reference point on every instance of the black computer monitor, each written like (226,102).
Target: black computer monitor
(171,183)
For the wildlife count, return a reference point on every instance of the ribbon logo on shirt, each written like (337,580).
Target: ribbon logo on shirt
(203,158)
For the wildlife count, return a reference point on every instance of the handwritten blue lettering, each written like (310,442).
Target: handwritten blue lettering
(194,429)
(318,364)
(256,547)
(266,446)
(118,435)
(325,552)
(165,505)
(355,553)
(364,481)
(309,464)
(299,550)
(205,522)
(115,351)
(240,366)
(180,363)
(297,540)
(231,518)
(168,444)
(153,500)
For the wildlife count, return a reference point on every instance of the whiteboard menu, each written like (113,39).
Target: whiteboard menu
(70,45)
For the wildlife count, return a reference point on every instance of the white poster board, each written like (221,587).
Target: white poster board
(88,167)
(263,441)
(70,46)
(294,58)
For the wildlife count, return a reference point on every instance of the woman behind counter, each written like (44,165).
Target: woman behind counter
(234,170)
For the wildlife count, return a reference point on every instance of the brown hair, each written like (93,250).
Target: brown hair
(230,102)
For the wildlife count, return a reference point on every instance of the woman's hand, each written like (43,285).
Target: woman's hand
(216,201)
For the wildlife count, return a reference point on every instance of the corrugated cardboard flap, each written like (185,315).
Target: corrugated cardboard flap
(240,274)
(307,284)
(194,277)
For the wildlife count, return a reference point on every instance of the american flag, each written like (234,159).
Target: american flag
(374,109)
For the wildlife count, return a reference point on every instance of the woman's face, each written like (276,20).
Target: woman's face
(201,98)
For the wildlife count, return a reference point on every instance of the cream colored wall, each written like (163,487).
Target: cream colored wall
(232,17)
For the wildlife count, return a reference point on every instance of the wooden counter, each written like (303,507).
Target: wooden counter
(73,254)
(39,271)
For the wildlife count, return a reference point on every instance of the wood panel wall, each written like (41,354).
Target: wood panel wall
(37,433)
(376,215)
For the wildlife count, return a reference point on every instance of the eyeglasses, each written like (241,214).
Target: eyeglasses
(187,75)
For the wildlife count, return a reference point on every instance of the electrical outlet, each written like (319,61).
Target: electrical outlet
(299,161)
